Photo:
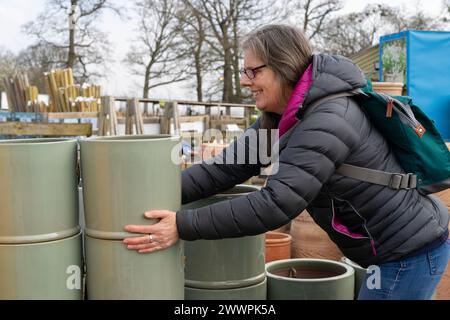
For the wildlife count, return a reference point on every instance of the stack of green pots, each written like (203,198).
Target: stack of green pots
(229,268)
(122,178)
(40,240)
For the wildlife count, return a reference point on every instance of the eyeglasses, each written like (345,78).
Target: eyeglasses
(251,72)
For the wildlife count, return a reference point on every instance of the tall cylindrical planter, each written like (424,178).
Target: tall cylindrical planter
(40,240)
(42,270)
(309,279)
(122,178)
(215,269)
(38,190)
(116,273)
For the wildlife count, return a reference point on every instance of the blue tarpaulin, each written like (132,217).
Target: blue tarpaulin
(427,73)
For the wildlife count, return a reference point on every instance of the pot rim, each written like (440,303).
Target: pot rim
(349,271)
(351,263)
(132,138)
(36,141)
(285,237)
(35,244)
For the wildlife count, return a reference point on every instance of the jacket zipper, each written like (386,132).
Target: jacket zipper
(372,242)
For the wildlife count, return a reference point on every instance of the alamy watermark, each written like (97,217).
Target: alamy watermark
(74,278)
(373,281)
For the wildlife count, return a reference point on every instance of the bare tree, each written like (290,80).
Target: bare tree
(35,60)
(313,13)
(226,21)
(70,26)
(445,17)
(418,20)
(193,33)
(154,54)
(350,33)
(8,66)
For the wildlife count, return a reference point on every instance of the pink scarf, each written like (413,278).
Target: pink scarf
(288,118)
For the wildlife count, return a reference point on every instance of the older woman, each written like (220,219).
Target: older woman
(403,232)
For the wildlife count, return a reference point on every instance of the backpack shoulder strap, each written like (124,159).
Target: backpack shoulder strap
(388,179)
(313,105)
(392,180)
(285,138)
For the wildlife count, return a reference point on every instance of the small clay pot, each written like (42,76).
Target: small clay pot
(278,246)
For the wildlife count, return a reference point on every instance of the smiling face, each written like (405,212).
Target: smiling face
(266,86)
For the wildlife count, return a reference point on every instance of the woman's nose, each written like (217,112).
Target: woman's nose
(245,81)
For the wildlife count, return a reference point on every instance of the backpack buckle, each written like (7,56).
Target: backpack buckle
(395,181)
(403,181)
(412,181)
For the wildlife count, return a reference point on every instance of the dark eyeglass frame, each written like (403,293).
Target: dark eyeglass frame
(251,72)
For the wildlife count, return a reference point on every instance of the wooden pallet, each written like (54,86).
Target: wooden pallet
(45,129)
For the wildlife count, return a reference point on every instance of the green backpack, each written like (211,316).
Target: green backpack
(414,139)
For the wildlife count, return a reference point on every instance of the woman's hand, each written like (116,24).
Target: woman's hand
(156,236)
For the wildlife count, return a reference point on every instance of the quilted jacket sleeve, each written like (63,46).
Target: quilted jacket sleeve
(319,144)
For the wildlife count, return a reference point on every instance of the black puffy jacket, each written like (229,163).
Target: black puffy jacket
(390,223)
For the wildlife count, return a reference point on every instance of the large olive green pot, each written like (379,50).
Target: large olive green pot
(360,274)
(38,190)
(254,292)
(227,263)
(124,176)
(40,271)
(114,272)
(309,279)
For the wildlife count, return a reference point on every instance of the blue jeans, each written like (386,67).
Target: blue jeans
(413,278)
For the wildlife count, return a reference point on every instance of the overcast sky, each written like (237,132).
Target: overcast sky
(14,13)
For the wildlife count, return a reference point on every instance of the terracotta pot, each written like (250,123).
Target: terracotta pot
(310,241)
(443,289)
(393,88)
(278,246)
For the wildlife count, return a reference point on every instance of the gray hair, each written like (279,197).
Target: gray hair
(285,49)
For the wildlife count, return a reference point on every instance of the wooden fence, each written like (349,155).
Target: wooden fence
(136,115)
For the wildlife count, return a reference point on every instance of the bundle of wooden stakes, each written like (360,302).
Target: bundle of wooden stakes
(21,96)
(65,96)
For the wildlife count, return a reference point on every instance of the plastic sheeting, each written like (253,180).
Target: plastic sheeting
(428,73)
